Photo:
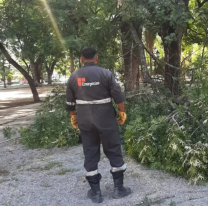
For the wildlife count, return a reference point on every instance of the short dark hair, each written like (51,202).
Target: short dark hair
(89,52)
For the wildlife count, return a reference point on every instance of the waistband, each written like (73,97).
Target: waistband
(101,101)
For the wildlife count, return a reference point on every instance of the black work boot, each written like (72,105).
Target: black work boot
(94,193)
(119,190)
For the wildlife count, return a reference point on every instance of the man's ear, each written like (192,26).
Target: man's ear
(96,59)
(81,59)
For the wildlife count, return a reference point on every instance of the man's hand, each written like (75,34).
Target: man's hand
(74,121)
(122,117)
(121,114)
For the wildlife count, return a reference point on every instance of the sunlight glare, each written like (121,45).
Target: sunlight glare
(53,21)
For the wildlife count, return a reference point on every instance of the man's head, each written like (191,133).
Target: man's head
(89,54)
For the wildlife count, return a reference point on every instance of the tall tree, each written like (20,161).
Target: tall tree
(22,71)
(28,32)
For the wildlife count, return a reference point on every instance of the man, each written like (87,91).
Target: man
(91,89)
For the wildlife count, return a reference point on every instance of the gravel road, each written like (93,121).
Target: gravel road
(54,177)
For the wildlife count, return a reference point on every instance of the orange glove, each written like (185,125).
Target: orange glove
(74,121)
(122,117)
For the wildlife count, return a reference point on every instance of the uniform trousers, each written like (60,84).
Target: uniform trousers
(98,123)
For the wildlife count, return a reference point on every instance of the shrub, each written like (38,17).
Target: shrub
(51,124)
(170,136)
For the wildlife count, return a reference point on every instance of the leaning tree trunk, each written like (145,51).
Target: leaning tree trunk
(4,73)
(36,68)
(34,73)
(33,88)
(23,72)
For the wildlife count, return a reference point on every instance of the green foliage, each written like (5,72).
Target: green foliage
(170,136)
(7,131)
(51,124)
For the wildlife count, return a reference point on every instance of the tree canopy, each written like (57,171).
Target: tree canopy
(41,34)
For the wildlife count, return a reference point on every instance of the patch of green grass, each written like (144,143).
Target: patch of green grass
(7,131)
(145,202)
(64,171)
(4,180)
(172,203)
(45,185)
(19,166)
(15,179)
(49,166)
(135,175)
(148,202)
(4,172)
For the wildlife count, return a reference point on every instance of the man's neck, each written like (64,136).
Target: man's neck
(89,63)
(94,62)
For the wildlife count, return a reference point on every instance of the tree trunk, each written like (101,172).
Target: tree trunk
(39,71)
(33,89)
(134,83)
(131,58)
(49,78)
(49,70)
(145,74)
(4,80)
(4,73)
(172,57)
(72,61)
(172,75)
(34,74)
(9,80)
(36,68)
(173,54)
(23,72)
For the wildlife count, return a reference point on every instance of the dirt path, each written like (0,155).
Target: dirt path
(54,177)
(21,96)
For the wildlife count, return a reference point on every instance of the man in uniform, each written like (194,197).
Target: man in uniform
(91,89)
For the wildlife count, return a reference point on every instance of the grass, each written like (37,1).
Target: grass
(45,185)
(64,171)
(145,202)
(4,180)
(7,131)
(4,172)
(135,175)
(49,166)
(148,202)
(172,203)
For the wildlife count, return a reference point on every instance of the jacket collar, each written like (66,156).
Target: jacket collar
(89,64)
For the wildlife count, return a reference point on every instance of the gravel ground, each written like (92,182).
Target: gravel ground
(54,177)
